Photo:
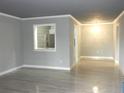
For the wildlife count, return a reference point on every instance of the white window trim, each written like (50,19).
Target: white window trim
(35,38)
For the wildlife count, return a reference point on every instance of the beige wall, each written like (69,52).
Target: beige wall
(98,44)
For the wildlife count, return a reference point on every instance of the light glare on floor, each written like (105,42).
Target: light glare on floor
(95,89)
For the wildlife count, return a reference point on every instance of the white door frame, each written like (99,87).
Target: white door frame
(76,29)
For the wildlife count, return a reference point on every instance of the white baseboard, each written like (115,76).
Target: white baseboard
(32,66)
(10,70)
(46,67)
(96,58)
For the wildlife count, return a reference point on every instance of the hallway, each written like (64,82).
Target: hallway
(87,77)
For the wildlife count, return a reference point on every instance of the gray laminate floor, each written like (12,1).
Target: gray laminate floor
(86,77)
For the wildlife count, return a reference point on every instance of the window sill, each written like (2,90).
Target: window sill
(45,50)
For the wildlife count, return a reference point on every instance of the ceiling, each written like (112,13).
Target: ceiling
(83,10)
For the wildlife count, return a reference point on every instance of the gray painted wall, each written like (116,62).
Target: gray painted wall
(116,41)
(71,40)
(74,25)
(17,45)
(10,43)
(120,22)
(60,58)
(97,44)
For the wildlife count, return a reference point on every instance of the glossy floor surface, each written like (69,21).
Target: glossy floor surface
(86,77)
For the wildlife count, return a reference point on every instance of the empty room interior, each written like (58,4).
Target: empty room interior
(61,46)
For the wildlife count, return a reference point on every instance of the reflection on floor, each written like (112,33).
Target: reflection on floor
(99,76)
(86,77)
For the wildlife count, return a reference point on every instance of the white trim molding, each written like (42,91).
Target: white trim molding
(46,17)
(73,18)
(96,58)
(118,17)
(46,67)
(33,66)
(57,16)
(10,70)
(107,23)
(10,16)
